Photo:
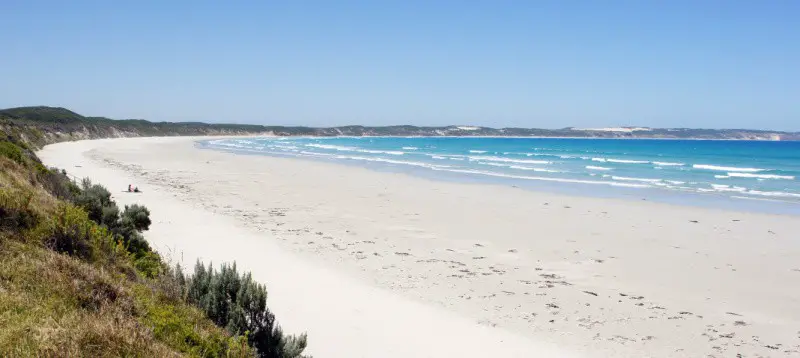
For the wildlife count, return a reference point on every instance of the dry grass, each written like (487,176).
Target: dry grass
(55,305)
(86,305)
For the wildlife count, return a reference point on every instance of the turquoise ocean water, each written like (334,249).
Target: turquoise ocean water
(758,175)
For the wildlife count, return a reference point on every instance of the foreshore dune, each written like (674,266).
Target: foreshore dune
(377,264)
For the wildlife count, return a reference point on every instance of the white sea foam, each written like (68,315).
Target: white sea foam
(721,176)
(542,170)
(726,169)
(773,194)
(519,167)
(493,174)
(331,147)
(646,180)
(438,157)
(623,161)
(316,154)
(592,167)
(728,188)
(477,151)
(506,160)
(627,161)
(760,176)
(353,149)
(410,148)
(285,146)
(676,182)
(668,164)
(392,161)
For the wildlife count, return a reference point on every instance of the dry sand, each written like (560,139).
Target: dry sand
(376,264)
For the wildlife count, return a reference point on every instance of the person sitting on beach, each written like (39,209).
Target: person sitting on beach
(129,188)
(136,189)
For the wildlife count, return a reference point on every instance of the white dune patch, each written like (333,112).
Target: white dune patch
(614,129)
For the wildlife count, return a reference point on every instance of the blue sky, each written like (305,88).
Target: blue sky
(550,64)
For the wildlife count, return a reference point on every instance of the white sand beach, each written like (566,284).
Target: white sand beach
(376,264)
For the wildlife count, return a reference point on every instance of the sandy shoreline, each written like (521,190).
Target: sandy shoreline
(396,265)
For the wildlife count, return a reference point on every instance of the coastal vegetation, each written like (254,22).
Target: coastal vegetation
(78,278)
(51,124)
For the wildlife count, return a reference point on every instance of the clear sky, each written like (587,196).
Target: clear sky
(531,63)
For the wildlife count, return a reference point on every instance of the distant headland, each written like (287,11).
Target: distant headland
(57,124)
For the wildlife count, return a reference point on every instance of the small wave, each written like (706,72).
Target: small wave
(721,176)
(410,148)
(760,176)
(668,164)
(779,194)
(332,147)
(758,198)
(534,169)
(627,161)
(519,167)
(592,167)
(316,154)
(284,146)
(646,180)
(353,149)
(623,161)
(438,157)
(477,151)
(493,174)
(507,160)
(728,188)
(726,169)
(676,182)
(392,161)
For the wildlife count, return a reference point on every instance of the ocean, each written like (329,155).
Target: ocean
(747,175)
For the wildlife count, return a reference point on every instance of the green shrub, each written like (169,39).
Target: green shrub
(17,210)
(12,151)
(138,216)
(93,198)
(71,232)
(186,329)
(58,184)
(149,264)
(239,304)
(109,216)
